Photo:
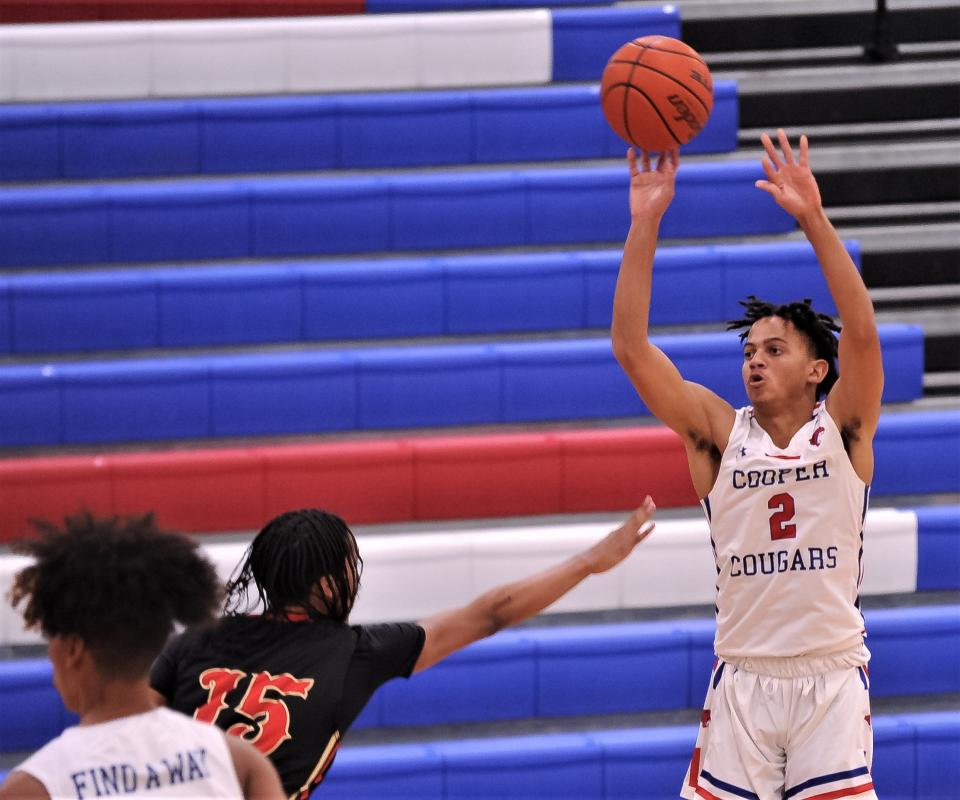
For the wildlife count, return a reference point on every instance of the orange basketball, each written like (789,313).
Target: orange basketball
(656,93)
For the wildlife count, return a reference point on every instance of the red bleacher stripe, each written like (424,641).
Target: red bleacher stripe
(388,480)
(99,10)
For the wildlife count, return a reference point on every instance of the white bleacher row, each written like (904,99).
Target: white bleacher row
(83,61)
(412,575)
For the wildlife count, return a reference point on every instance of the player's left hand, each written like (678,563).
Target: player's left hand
(791,183)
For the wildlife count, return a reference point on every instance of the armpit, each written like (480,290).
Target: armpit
(702,444)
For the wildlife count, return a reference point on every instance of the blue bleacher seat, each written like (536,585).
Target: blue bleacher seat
(907,462)
(584,39)
(551,672)
(437,695)
(443,385)
(914,759)
(33,712)
(938,556)
(61,225)
(938,743)
(85,311)
(570,661)
(106,140)
(178,221)
(897,635)
(406,128)
(408,295)
(29,142)
(472,294)
(514,292)
(894,758)
(297,133)
(377,388)
(247,305)
(647,762)
(559,765)
(396,771)
(162,399)
(299,216)
(211,219)
(292,392)
(29,406)
(267,134)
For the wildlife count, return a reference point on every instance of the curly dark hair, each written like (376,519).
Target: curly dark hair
(818,329)
(287,559)
(118,583)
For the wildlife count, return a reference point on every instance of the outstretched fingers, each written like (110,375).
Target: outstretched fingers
(804,151)
(785,146)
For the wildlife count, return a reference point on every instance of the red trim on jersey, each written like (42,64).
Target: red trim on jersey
(850,791)
(694,768)
(704,793)
(784,458)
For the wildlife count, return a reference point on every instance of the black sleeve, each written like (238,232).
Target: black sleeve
(163,673)
(382,652)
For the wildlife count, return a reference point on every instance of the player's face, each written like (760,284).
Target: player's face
(776,362)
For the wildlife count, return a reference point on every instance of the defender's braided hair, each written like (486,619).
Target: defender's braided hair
(119,584)
(817,328)
(287,559)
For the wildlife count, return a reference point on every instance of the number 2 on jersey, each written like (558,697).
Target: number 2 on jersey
(784,511)
(271,713)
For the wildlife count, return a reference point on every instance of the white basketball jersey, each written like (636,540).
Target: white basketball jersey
(787,533)
(160,753)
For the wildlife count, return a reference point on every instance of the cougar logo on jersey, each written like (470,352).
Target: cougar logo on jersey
(815,439)
(755,478)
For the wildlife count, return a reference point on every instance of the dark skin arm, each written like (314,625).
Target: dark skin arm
(21,785)
(511,603)
(258,777)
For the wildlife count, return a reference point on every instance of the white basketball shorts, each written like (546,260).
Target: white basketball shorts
(770,738)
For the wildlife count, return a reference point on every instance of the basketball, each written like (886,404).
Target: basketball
(656,93)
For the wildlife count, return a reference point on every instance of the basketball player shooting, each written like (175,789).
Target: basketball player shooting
(784,484)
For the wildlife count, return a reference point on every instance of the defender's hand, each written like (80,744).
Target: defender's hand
(618,544)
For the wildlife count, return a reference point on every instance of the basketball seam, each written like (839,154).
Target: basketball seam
(653,105)
(626,94)
(679,83)
(672,52)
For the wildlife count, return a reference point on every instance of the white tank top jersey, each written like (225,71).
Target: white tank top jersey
(787,533)
(160,753)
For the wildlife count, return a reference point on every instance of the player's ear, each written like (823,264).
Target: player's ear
(818,370)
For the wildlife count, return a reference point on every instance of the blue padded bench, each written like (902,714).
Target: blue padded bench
(551,671)
(914,759)
(183,220)
(907,464)
(33,712)
(299,133)
(245,304)
(938,548)
(371,388)
(584,39)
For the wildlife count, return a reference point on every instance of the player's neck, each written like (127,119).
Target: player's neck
(114,698)
(782,423)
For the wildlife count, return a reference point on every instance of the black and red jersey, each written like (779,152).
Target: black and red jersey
(291,688)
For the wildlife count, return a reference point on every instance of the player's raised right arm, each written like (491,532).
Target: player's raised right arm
(693,411)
